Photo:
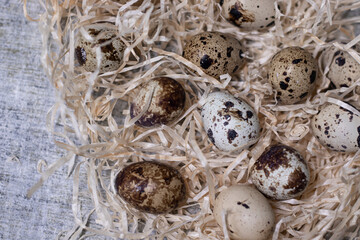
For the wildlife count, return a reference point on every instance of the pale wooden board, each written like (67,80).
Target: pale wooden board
(25,98)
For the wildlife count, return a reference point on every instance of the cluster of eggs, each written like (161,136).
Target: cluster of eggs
(231,123)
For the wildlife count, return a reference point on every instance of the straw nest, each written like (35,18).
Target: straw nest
(91,116)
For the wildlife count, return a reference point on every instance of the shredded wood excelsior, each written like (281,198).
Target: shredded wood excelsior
(91,118)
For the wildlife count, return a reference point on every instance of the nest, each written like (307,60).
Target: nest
(90,118)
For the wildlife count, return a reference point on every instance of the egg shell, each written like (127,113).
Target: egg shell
(151,187)
(344,70)
(167,98)
(215,53)
(337,128)
(248,213)
(112,50)
(292,73)
(249,14)
(280,173)
(231,124)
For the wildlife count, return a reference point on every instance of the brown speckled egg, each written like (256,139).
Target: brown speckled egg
(215,53)
(292,74)
(151,187)
(230,123)
(167,98)
(112,50)
(344,70)
(248,213)
(280,173)
(249,14)
(337,128)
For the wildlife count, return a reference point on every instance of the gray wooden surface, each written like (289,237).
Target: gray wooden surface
(25,98)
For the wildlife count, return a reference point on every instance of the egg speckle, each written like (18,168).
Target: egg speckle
(215,53)
(231,124)
(292,73)
(249,14)
(337,128)
(248,213)
(112,50)
(344,70)
(280,173)
(151,187)
(167,98)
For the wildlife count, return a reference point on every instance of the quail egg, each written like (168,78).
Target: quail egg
(215,53)
(231,124)
(151,187)
(248,214)
(337,128)
(249,14)
(280,173)
(292,74)
(344,70)
(167,102)
(112,50)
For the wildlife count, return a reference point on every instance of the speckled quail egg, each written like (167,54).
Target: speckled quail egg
(151,187)
(167,98)
(292,73)
(344,70)
(248,214)
(280,173)
(337,128)
(231,124)
(249,14)
(215,53)
(112,50)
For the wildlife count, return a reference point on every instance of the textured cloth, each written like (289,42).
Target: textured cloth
(25,98)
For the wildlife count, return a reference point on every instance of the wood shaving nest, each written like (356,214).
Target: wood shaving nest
(91,118)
